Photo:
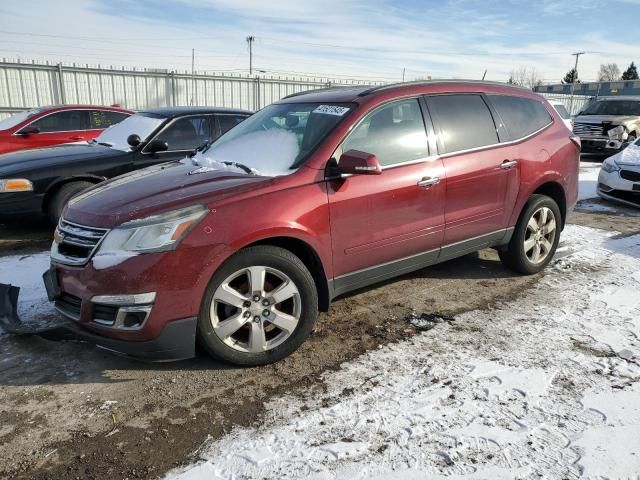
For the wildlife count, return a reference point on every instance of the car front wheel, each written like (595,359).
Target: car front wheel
(535,238)
(259,307)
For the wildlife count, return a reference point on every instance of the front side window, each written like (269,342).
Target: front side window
(394,133)
(141,124)
(227,122)
(101,119)
(464,121)
(521,116)
(277,139)
(65,121)
(613,107)
(188,133)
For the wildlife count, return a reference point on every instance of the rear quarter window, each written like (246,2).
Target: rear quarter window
(521,116)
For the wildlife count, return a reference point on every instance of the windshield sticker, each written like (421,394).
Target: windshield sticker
(331,110)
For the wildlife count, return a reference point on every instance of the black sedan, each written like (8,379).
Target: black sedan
(44,180)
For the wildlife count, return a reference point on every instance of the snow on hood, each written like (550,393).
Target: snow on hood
(268,153)
(628,156)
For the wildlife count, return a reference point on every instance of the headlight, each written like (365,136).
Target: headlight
(16,185)
(609,166)
(617,132)
(152,234)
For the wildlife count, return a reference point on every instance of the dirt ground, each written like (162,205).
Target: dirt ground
(69,410)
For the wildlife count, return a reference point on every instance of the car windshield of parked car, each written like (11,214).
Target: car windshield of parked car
(276,140)
(141,124)
(613,107)
(16,118)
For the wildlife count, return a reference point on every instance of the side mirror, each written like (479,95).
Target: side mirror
(134,140)
(29,130)
(355,162)
(157,145)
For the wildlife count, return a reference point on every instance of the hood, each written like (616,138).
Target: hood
(155,190)
(614,119)
(630,156)
(41,158)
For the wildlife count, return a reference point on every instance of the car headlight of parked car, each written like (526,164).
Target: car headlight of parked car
(609,166)
(617,133)
(16,185)
(157,233)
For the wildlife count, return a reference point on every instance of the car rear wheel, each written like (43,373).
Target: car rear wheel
(62,197)
(259,307)
(535,238)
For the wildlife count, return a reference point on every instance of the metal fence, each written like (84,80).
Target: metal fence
(28,85)
(579,102)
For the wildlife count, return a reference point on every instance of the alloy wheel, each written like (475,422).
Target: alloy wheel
(540,235)
(255,309)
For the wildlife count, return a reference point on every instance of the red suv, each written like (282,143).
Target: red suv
(45,126)
(241,244)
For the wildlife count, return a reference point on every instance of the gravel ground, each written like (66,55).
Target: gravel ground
(70,410)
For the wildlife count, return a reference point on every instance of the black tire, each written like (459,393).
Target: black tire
(60,199)
(267,256)
(514,256)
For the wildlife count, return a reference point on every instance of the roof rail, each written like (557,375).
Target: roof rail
(388,86)
(315,90)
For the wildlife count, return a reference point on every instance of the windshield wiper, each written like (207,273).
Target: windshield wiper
(105,144)
(241,166)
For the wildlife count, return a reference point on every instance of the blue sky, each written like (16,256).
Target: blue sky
(373,39)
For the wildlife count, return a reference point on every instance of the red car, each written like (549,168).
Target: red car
(45,126)
(240,245)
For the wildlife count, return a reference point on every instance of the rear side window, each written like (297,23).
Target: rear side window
(464,121)
(522,116)
(65,121)
(394,133)
(101,119)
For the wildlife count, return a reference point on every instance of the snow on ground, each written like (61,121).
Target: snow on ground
(588,183)
(545,386)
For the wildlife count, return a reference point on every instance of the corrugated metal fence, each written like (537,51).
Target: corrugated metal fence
(28,85)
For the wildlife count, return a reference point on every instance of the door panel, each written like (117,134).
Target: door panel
(380,218)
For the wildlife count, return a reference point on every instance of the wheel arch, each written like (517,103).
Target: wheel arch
(55,186)
(555,191)
(305,252)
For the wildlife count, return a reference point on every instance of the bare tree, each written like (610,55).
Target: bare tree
(525,77)
(609,72)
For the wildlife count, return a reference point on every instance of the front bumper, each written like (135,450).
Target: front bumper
(20,203)
(98,300)
(612,186)
(601,146)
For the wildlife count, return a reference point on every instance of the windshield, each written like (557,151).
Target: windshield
(613,107)
(562,111)
(17,118)
(277,139)
(141,124)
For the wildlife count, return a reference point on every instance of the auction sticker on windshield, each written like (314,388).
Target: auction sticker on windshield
(331,110)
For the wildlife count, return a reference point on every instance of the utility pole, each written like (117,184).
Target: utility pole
(575,77)
(403,70)
(250,40)
(193,74)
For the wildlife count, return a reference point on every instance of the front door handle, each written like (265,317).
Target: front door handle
(508,164)
(428,181)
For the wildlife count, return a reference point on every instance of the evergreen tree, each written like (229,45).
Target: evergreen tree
(571,76)
(630,73)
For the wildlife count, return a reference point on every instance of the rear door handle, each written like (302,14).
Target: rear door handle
(428,181)
(508,164)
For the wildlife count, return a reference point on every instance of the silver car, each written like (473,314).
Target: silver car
(619,178)
(609,124)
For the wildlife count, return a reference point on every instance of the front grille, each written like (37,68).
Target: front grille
(630,175)
(589,130)
(76,243)
(69,305)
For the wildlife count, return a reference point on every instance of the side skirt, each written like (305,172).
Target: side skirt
(378,273)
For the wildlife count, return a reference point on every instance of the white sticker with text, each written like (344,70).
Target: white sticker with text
(331,110)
